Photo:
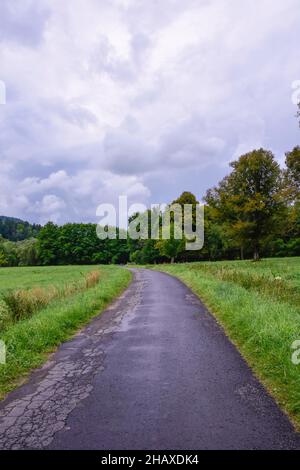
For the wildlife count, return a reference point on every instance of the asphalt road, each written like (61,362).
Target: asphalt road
(155,371)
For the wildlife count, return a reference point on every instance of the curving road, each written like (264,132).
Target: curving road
(155,371)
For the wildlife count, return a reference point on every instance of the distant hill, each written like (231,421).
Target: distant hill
(16,229)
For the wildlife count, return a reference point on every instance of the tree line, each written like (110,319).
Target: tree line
(254,211)
(17,230)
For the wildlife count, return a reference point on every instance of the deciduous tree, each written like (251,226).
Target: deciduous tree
(248,199)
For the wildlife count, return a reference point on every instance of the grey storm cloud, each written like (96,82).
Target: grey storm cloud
(140,98)
(186,143)
(23,21)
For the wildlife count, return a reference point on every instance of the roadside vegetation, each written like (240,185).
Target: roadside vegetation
(42,307)
(258,304)
(20,304)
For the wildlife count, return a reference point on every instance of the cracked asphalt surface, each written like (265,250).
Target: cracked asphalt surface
(154,371)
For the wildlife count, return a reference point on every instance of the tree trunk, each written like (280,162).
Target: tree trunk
(172,260)
(256,254)
(242,252)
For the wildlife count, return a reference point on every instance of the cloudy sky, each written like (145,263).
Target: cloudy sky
(144,98)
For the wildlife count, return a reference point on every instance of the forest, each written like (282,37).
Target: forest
(253,212)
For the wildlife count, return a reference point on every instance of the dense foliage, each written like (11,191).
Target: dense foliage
(252,212)
(78,244)
(23,253)
(16,230)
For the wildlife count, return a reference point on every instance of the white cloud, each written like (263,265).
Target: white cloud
(49,208)
(144,98)
(50,204)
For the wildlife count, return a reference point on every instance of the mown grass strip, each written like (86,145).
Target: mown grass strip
(30,340)
(262,327)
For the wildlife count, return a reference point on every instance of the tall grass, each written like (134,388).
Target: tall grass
(265,283)
(20,304)
(91,279)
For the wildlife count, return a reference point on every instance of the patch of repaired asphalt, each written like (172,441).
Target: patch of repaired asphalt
(32,415)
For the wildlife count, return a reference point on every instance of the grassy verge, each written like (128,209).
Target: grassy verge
(20,304)
(258,306)
(29,341)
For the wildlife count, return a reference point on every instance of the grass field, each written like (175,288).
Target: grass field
(258,304)
(25,277)
(74,302)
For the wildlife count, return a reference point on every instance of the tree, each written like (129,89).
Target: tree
(27,252)
(9,252)
(249,198)
(3,259)
(187,198)
(48,244)
(172,247)
(292,174)
(16,230)
(216,236)
(148,253)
